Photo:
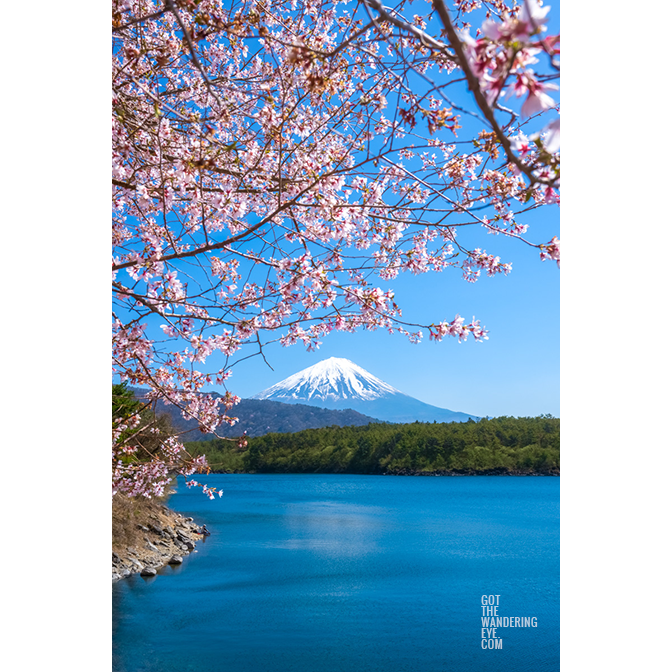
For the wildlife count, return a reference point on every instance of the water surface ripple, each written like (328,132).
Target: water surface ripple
(351,573)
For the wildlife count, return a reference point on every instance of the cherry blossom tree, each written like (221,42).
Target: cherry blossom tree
(277,162)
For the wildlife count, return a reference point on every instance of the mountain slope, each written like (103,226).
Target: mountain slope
(259,417)
(332,379)
(338,383)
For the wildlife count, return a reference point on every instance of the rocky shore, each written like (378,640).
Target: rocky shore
(164,539)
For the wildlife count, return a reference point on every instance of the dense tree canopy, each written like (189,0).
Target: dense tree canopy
(276,162)
(504,445)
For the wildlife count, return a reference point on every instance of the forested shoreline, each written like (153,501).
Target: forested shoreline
(504,445)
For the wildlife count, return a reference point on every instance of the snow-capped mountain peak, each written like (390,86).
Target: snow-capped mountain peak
(331,380)
(338,383)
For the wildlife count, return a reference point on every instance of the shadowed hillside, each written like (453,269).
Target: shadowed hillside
(260,416)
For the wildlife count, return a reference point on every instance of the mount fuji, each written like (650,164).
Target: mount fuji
(338,383)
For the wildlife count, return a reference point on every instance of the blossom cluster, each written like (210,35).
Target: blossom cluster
(270,179)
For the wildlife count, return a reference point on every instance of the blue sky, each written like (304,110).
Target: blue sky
(615,357)
(515,372)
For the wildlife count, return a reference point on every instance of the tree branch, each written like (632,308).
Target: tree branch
(475,88)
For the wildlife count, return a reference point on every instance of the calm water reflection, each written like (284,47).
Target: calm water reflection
(334,573)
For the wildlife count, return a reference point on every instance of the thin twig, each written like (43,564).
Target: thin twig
(192,50)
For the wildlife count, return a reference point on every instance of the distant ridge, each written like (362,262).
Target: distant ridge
(259,417)
(338,383)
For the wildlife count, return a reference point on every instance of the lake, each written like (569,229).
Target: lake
(352,573)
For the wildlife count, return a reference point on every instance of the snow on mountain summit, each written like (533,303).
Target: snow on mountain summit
(338,383)
(332,379)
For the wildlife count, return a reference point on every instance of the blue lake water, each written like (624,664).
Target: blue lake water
(351,573)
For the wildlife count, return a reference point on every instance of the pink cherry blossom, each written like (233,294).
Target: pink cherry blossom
(274,172)
(551,250)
